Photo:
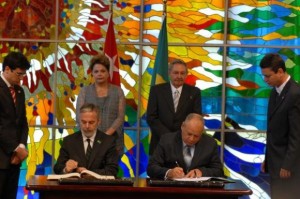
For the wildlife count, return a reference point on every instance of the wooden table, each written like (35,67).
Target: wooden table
(52,189)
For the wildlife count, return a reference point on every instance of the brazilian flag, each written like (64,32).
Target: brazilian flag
(160,69)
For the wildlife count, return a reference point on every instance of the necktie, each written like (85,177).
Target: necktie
(277,98)
(176,99)
(88,149)
(13,93)
(187,155)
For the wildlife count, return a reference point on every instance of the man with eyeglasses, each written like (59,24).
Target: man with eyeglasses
(13,123)
(282,159)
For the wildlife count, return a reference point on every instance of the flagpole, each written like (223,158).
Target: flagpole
(165,8)
(111,7)
(111,10)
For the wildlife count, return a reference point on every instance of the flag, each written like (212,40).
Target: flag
(160,69)
(110,50)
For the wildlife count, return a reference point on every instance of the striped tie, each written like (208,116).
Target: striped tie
(176,99)
(88,149)
(187,156)
(13,93)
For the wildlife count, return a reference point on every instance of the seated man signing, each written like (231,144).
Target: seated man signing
(89,148)
(188,153)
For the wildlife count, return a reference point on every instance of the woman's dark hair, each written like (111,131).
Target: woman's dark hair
(99,59)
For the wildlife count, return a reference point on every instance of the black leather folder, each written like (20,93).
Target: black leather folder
(173,183)
(92,181)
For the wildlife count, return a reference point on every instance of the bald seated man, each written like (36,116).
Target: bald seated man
(188,153)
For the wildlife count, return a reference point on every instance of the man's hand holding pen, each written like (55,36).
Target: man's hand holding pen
(176,172)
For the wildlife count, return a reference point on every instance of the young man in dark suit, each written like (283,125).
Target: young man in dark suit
(187,153)
(282,159)
(164,113)
(13,123)
(76,155)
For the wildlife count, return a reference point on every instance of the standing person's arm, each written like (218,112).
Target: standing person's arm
(152,114)
(24,126)
(80,101)
(197,101)
(293,148)
(121,114)
(20,152)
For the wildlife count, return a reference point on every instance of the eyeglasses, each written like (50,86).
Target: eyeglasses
(267,76)
(19,74)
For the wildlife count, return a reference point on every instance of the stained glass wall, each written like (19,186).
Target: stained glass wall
(222,42)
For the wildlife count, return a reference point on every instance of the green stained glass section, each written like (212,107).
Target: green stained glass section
(269,23)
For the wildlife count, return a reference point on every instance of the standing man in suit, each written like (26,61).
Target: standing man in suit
(13,123)
(282,159)
(170,103)
(76,155)
(187,153)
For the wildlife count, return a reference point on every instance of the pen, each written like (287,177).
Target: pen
(177,164)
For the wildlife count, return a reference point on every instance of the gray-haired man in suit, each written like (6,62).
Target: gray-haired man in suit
(164,114)
(102,158)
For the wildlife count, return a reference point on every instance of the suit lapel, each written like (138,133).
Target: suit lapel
(197,152)
(167,92)
(183,97)
(79,150)
(96,148)
(18,105)
(179,151)
(6,93)
(274,106)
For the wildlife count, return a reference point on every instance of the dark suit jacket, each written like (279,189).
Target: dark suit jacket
(104,157)
(170,150)
(283,131)
(161,116)
(13,123)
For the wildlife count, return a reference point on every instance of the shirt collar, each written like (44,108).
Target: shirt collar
(91,138)
(185,145)
(281,87)
(5,80)
(174,89)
